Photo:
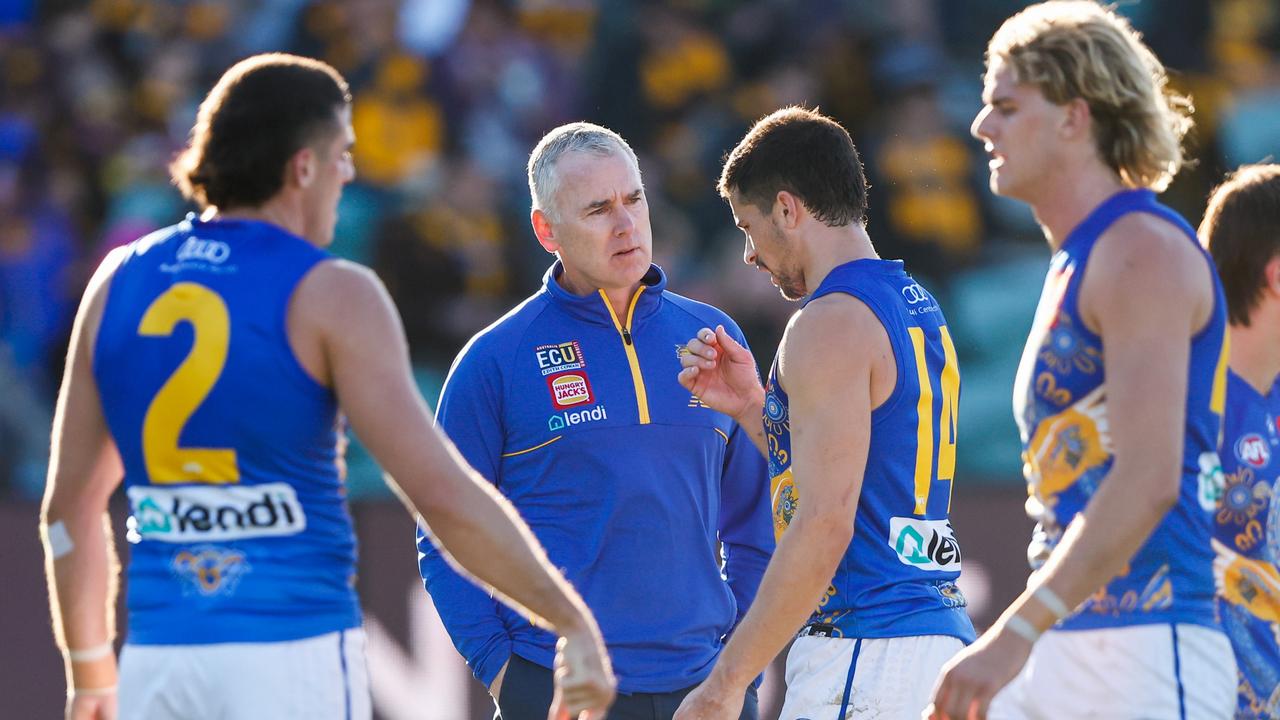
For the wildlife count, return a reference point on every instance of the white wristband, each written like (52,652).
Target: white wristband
(97,652)
(1051,601)
(92,692)
(1022,628)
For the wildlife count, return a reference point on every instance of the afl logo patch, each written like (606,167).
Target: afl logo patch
(570,389)
(1253,451)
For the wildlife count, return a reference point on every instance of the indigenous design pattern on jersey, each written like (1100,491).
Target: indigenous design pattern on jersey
(1060,402)
(898,575)
(777,432)
(238,521)
(1246,565)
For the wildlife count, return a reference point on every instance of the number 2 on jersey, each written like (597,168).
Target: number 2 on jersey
(187,387)
(950,388)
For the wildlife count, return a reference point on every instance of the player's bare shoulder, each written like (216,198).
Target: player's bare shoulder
(337,282)
(1141,256)
(94,301)
(338,292)
(833,330)
(338,301)
(1149,242)
(95,293)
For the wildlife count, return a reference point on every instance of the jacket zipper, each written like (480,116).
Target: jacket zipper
(628,345)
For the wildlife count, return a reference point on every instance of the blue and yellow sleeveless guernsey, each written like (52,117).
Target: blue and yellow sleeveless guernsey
(1060,404)
(1246,541)
(239,528)
(898,575)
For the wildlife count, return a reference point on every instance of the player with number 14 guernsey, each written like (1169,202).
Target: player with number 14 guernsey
(858,424)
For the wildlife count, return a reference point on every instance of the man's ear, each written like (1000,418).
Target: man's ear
(300,170)
(787,209)
(544,231)
(1077,119)
(1271,274)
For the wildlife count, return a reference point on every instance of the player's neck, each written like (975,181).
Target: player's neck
(1255,350)
(1062,205)
(276,211)
(833,247)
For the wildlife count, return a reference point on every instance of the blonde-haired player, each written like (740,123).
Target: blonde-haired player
(1119,394)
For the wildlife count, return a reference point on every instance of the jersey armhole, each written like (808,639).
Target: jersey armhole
(897,339)
(294,363)
(108,287)
(1179,224)
(1185,229)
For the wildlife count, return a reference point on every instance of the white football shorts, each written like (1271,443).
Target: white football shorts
(317,678)
(861,679)
(1139,672)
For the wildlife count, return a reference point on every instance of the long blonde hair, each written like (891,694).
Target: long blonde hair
(1080,49)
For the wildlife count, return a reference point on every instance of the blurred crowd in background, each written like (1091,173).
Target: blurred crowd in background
(451,95)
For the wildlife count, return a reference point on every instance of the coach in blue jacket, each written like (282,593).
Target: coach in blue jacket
(570,405)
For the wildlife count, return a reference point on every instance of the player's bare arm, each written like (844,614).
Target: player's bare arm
(364,356)
(80,559)
(1146,292)
(723,374)
(832,354)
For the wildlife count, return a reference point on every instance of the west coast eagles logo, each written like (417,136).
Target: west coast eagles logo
(209,570)
(694,400)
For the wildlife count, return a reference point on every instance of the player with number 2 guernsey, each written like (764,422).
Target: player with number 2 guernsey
(212,366)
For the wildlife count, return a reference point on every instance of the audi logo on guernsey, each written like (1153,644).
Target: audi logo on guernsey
(210,251)
(915,294)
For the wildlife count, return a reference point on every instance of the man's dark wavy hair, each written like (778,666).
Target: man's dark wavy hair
(262,111)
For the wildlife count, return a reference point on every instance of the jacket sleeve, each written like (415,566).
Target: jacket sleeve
(470,413)
(746,516)
(746,519)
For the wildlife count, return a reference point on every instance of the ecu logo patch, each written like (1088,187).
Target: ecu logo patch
(558,358)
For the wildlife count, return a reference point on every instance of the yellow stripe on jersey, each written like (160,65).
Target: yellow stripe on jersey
(1218,400)
(950,410)
(535,447)
(924,429)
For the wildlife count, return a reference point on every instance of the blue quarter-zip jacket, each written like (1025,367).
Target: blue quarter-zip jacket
(627,479)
